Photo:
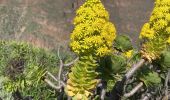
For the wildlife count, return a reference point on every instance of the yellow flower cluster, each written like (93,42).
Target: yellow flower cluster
(93,30)
(103,51)
(168,41)
(157,31)
(128,54)
(147,32)
(89,11)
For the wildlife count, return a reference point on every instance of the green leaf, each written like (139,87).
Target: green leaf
(165,60)
(151,79)
(123,43)
(113,64)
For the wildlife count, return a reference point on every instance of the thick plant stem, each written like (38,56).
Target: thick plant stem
(117,90)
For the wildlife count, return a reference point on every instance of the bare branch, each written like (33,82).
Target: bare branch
(147,97)
(52,85)
(52,76)
(103,93)
(58,53)
(103,86)
(60,71)
(134,90)
(61,66)
(71,63)
(117,90)
(130,73)
(166,83)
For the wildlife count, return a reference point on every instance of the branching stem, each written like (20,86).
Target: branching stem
(134,90)
(52,84)
(71,63)
(131,72)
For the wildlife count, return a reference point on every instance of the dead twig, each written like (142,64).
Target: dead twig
(103,89)
(52,84)
(131,72)
(117,90)
(58,79)
(167,95)
(52,76)
(166,82)
(71,63)
(134,90)
(61,65)
(147,96)
(103,93)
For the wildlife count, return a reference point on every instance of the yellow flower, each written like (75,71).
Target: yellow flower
(160,24)
(103,51)
(147,32)
(128,54)
(168,30)
(168,41)
(167,17)
(75,46)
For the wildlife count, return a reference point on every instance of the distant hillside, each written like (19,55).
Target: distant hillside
(47,23)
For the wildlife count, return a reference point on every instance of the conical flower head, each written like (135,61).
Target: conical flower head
(156,33)
(93,33)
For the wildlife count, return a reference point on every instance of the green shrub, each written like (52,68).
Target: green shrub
(23,67)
